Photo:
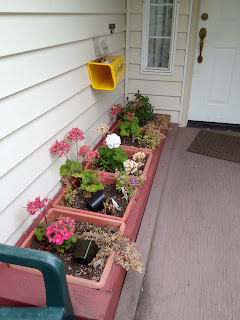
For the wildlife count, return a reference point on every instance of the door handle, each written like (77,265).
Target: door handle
(202,36)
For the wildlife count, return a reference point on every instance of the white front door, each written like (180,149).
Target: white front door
(215,94)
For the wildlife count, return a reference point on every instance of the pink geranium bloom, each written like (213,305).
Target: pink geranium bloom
(116,110)
(130,115)
(60,148)
(37,206)
(92,154)
(76,135)
(57,239)
(101,176)
(67,235)
(49,231)
(83,150)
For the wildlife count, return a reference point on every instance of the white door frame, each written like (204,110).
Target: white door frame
(189,63)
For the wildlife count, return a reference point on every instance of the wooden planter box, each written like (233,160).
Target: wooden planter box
(78,217)
(110,180)
(87,302)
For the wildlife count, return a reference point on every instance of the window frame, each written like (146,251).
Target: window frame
(173,39)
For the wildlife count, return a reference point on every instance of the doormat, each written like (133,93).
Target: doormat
(217,145)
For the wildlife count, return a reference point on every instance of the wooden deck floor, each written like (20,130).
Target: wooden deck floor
(193,269)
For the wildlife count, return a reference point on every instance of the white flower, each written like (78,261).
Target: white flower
(113,141)
(138,156)
(102,128)
(130,166)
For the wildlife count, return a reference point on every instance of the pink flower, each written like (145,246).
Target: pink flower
(116,110)
(60,147)
(76,135)
(69,268)
(130,116)
(66,234)
(92,154)
(37,206)
(60,230)
(49,231)
(57,239)
(83,150)
(101,176)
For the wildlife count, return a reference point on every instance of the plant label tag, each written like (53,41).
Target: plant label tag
(115,204)
(97,265)
(124,193)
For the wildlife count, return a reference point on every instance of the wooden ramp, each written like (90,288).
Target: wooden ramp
(193,269)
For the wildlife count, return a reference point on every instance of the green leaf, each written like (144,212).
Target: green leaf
(40,233)
(76,175)
(41,224)
(92,188)
(124,133)
(76,166)
(68,163)
(65,170)
(73,238)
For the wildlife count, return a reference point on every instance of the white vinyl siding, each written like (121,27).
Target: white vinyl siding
(46,91)
(165,91)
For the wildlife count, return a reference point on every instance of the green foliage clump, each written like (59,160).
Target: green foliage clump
(70,195)
(141,107)
(149,140)
(129,126)
(110,159)
(123,180)
(89,181)
(71,168)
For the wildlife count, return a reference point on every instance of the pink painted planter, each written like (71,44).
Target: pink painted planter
(110,180)
(78,217)
(130,152)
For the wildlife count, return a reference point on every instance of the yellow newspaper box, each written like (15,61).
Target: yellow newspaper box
(106,72)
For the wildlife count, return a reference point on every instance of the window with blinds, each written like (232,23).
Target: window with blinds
(159,33)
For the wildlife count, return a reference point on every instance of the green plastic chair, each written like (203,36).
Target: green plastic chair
(58,302)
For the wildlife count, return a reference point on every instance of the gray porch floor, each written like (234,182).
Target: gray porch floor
(189,238)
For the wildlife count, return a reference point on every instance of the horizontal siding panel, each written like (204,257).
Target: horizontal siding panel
(174,114)
(32,136)
(135,55)
(24,70)
(63,6)
(179,58)
(136,6)
(181,41)
(51,30)
(182,23)
(39,160)
(162,88)
(136,40)
(134,73)
(32,103)
(162,102)
(136,22)
(24,107)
